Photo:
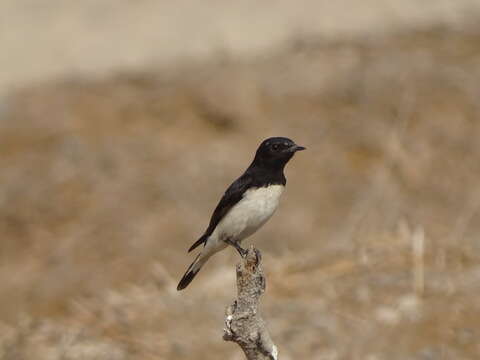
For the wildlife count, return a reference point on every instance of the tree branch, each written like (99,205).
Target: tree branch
(243,323)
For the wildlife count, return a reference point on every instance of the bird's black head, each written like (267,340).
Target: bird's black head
(275,152)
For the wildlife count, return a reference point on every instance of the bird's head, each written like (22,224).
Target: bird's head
(276,151)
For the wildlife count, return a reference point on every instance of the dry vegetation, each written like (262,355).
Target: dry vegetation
(105,185)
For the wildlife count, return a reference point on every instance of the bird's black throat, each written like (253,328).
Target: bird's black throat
(267,173)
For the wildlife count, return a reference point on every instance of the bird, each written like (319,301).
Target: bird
(246,205)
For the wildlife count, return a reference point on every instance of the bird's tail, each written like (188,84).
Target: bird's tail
(192,270)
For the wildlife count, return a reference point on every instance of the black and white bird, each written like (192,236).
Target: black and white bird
(246,205)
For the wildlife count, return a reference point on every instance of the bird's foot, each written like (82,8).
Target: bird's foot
(243,252)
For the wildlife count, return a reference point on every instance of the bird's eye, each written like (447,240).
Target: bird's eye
(275,146)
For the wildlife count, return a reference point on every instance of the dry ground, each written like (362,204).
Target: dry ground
(106,183)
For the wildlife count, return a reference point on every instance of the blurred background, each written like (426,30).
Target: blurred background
(111,112)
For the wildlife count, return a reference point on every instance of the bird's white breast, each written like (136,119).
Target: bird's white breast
(250,213)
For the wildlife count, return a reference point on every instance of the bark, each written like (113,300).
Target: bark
(243,323)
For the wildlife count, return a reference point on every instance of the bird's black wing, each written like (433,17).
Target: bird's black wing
(232,196)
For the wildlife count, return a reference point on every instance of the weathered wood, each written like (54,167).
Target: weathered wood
(243,323)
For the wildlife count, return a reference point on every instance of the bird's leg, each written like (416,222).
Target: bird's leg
(243,252)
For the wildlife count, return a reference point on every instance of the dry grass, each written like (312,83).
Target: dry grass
(373,255)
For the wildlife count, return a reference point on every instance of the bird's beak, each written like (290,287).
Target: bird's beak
(296,148)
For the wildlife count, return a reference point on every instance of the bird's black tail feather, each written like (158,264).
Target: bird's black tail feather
(192,270)
(202,240)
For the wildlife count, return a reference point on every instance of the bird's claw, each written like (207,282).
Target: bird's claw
(243,252)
